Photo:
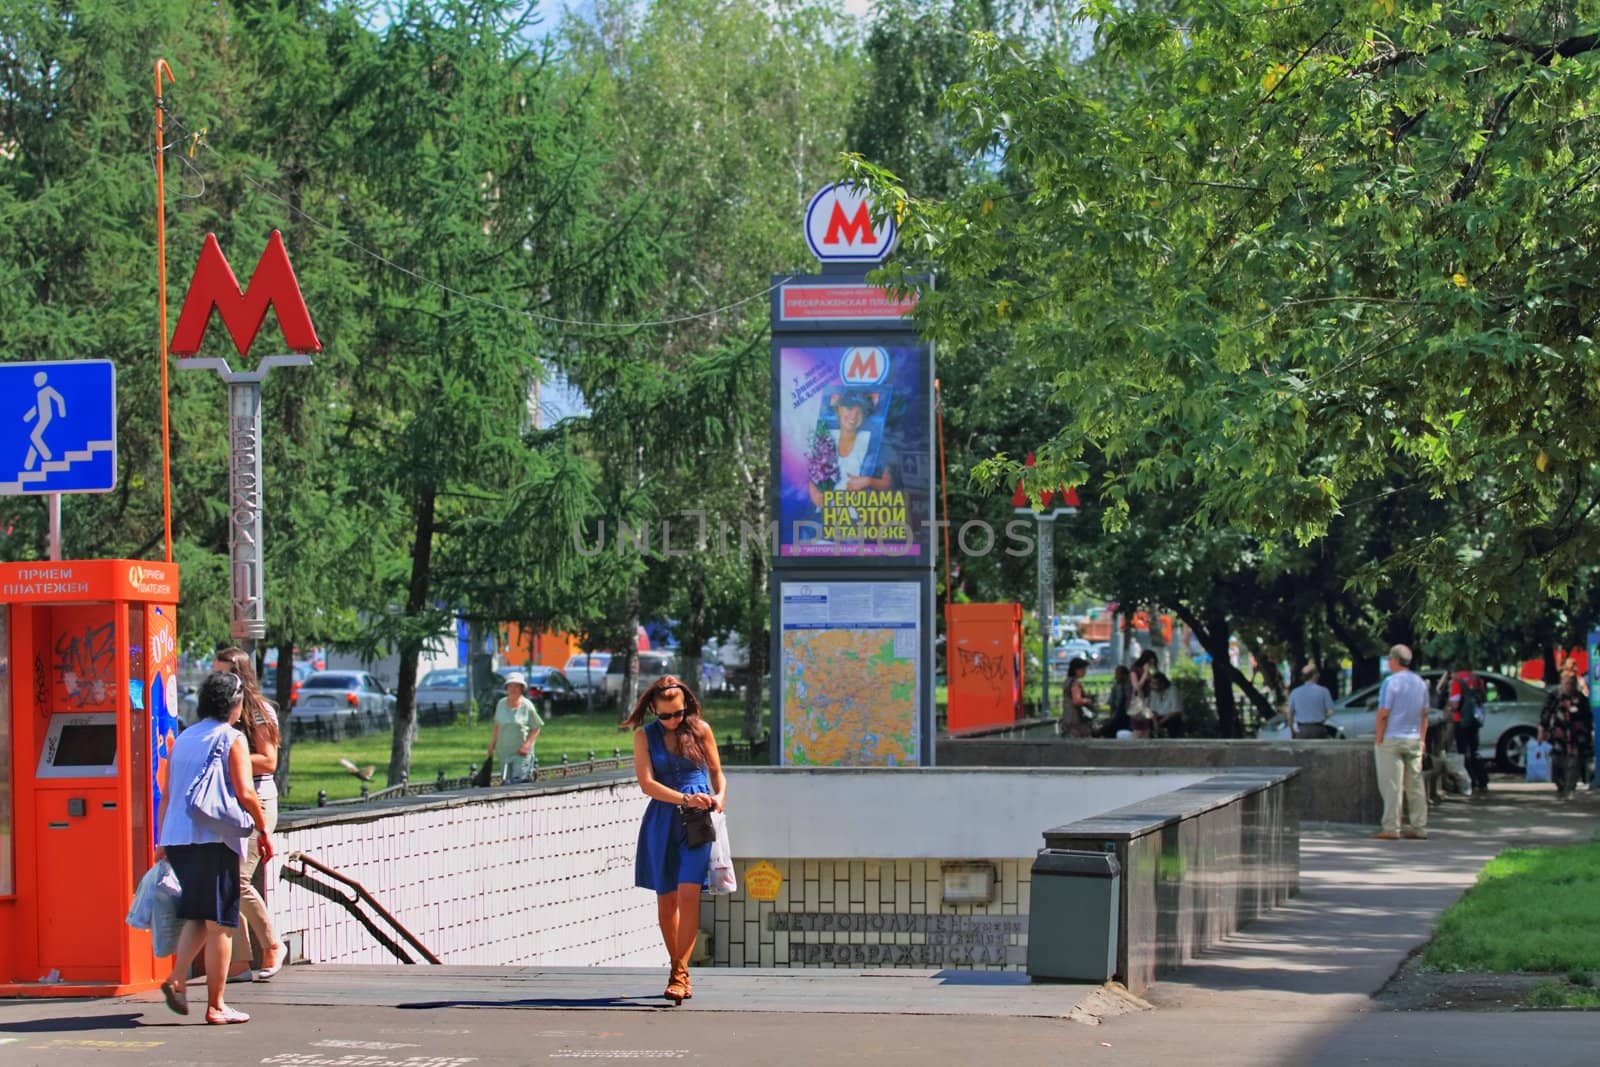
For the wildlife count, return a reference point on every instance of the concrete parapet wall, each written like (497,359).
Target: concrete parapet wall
(923,813)
(1197,864)
(1336,782)
(855,864)
(855,861)
(521,875)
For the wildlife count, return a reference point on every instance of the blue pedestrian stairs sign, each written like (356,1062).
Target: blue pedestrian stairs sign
(58,427)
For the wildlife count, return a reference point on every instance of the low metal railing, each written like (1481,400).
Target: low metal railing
(733,751)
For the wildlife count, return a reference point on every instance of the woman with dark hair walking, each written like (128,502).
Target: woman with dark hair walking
(258,721)
(675,759)
(206,859)
(1077,712)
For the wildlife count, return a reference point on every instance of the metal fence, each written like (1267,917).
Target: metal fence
(733,752)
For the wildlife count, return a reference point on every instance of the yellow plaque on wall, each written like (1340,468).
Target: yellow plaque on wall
(762,881)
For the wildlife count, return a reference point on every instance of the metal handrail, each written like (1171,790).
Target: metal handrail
(352,904)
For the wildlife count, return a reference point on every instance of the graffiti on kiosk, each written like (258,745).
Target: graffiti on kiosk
(86,665)
(41,687)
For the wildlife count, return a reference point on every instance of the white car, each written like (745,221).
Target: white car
(1510,717)
(652,665)
(330,694)
(587,673)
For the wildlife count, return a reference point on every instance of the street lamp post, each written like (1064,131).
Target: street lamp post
(1046,516)
(1046,596)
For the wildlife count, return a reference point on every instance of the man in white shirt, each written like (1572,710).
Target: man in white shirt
(1310,704)
(1397,748)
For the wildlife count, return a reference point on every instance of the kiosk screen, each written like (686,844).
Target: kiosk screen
(87,746)
(80,746)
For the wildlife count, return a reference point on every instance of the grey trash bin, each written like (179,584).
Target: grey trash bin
(1073,904)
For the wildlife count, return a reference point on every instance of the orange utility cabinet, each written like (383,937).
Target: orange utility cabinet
(88,713)
(983,665)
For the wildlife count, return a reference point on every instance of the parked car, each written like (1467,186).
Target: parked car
(330,694)
(552,693)
(1071,649)
(448,686)
(188,709)
(1510,717)
(652,665)
(732,655)
(587,672)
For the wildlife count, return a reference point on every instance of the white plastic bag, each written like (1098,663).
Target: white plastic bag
(141,912)
(164,930)
(155,908)
(722,878)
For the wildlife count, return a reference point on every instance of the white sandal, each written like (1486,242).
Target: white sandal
(267,972)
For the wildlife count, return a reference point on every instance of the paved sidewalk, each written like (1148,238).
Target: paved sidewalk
(1293,988)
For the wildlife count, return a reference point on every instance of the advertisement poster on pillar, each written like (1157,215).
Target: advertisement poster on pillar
(855,452)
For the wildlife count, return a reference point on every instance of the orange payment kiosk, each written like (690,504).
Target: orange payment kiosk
(88,711)
(984,665)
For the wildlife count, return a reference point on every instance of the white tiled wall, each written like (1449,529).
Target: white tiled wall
(542,878)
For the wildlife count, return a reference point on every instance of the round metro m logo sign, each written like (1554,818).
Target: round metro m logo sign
(864,365)
(840,227)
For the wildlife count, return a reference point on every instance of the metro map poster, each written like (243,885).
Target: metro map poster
(849,674)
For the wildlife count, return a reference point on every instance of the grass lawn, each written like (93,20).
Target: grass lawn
(1531,910)
(455,749)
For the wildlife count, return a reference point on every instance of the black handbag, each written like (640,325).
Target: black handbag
(697,827)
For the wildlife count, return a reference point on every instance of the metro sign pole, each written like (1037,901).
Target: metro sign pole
(243,311)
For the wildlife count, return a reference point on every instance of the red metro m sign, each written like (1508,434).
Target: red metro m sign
(243,311)
(1066,494)
(840,227)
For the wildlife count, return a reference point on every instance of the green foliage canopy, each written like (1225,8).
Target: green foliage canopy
(1276,252)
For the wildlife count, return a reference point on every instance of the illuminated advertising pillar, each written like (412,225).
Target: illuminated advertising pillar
(852,461)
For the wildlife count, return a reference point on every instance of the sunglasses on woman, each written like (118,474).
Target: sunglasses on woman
(671,715)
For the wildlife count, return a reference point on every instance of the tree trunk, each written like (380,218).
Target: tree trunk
(1298,655)
(1363,658)
(283,688)
(1213,636)
(1271,672)
(1214,639)
(630,650)
(692,636)
(405,709)
(756,612)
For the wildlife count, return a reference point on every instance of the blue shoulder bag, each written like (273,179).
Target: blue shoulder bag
(211,800)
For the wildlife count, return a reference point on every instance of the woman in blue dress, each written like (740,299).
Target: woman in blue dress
(675,759)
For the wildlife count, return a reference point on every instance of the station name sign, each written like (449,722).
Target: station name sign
(947,940)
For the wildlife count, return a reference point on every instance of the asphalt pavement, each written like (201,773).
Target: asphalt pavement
(1295,987)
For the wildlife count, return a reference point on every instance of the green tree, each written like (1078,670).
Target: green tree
(727,116)
(1276,253)
(479,180)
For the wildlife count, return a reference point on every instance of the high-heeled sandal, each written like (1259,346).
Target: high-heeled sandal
(688,986)
(675,989)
